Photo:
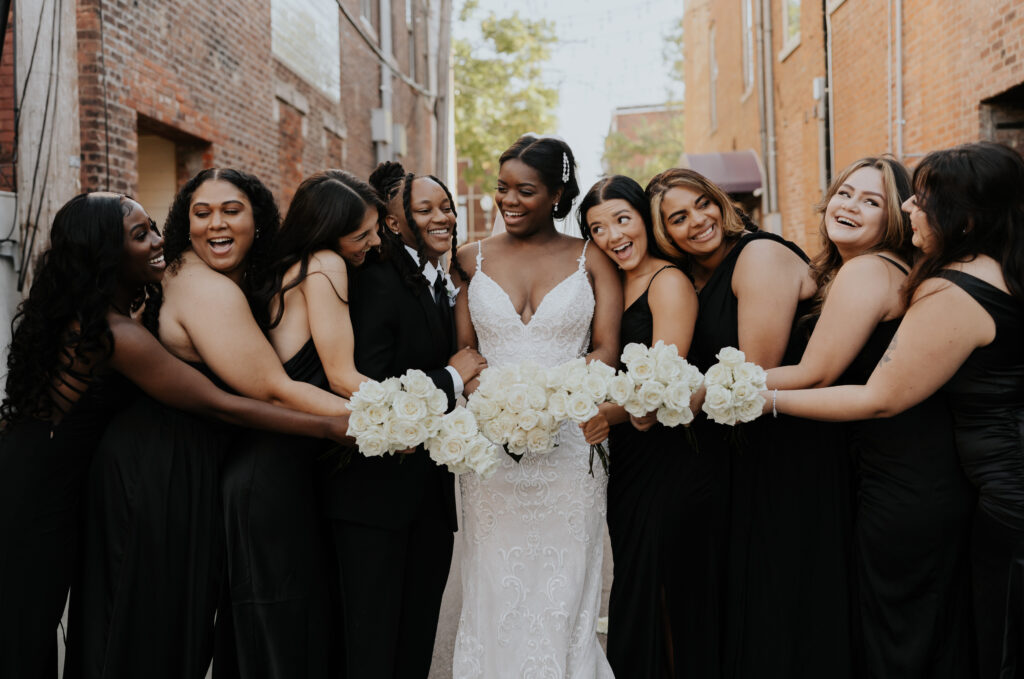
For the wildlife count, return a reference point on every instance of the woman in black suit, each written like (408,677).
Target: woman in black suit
(393,517)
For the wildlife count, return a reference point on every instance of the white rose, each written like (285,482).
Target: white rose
(719,374)
(506,422)
(492,431)
(370,392)
(486,467)
(449,451)
(595,386)
(751,410)
(652,395)
(478,452)
(403,434)
(461,423)
(554,377)
(531,373)
(677,395)
(692,377)
(727,417)
(643,369)
(633,352)
(668,368)
(358,422)
(392,386)
(372,443)
(580,407)
(635,407)
(730,356)
(620,388)
(409,407)
(432,424)
(673,417)
(517,440)
(742,392)
(600,369)
(547,421)
(377,412)
(418,384)
(749,372)
(518,397)
(716,399)
(661,351)
(529,419)
(538,396)
(437,402)
(539,440)
(575,374)
(558,405)
(490,380)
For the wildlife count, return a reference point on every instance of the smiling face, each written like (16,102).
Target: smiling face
(354,246)
(692,221)
(221,227)
(143,247)
(523,200)
(619,231)
(855,215)
(923,238)
(433,217)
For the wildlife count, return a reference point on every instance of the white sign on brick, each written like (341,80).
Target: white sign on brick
(304,36)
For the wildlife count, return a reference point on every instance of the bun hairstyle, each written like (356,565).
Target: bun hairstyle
(326,207)
(390,180)
(554,162)
(973,198)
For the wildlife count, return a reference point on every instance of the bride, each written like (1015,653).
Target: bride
(531,561)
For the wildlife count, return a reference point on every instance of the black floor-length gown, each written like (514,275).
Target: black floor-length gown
(667,508)
(987,398)
(911,530)
(787,612)
(277,573)
(153,562)
(42,472)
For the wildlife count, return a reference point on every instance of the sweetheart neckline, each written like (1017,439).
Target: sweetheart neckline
(508,299)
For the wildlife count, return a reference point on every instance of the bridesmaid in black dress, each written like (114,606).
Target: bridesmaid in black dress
(666,498)
(71,336)
(787,609)
(277,562)
(155,569)
(913,501)
(963,332)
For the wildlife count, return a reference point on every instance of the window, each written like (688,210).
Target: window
(790,27)
(748,45)
(713,72)
(304,37)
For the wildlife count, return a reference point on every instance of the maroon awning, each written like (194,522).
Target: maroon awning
(734,171)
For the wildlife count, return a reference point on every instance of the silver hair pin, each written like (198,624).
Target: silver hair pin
(565,167)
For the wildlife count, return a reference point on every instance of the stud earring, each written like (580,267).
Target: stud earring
(555,208)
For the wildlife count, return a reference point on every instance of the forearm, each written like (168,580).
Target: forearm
(607,354)
(247,412)
(307,398)
(832,404)
(613,413)
(796,377)
(346,382)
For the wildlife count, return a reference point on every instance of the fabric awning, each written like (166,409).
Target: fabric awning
(734,171)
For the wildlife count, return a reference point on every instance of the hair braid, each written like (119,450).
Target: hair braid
(455,232)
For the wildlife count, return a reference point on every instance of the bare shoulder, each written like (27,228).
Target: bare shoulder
(767,251)
(671,281)
(985,268)
(327,261)
(466,256)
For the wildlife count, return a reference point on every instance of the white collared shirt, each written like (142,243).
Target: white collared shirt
(430,275)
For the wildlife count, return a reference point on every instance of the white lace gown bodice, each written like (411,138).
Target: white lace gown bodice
(533,532)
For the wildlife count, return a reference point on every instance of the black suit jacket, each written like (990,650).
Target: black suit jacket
(396,329)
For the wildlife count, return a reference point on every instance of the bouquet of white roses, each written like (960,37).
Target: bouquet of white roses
(734,387)
(460,446)
(511,405)
(396,414)
(657,379)
(578,388)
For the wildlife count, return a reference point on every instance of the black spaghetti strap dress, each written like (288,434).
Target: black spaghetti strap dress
(154,547)
(987,398)
(911,529)
(787,611)
(667,504)
(277,569)
(43,467)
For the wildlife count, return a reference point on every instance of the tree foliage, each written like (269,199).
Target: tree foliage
(499,93)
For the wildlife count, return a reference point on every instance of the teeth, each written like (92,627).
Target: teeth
(622,247)
(698,236)
(514,214)
(157,260)
(844,221)
(438,232)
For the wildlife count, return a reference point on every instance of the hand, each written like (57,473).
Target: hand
(697,399)
(468,363)
(337,429)
(407,451)
(646,422)
(595,429)
(471,386)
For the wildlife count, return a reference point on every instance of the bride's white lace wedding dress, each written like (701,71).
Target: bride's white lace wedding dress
(532,533)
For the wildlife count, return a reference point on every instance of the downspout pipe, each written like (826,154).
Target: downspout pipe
(384,148)
(769,107)
(900,122)
(762,128)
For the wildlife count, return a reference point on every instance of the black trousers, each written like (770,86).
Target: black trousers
(391,582)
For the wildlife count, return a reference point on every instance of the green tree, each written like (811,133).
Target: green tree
(499,93)
(657,143)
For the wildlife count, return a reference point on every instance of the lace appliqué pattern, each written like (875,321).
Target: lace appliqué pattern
(531,564)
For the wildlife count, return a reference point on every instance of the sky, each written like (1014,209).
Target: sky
(609,54)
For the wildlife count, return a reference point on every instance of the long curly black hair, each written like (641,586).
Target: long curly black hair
(326,207)
(65,313)
(390,180)
(266,217)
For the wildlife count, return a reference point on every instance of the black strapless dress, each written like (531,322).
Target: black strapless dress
(667,505)
(42,473)
(987,398)
(787,612)
(910,536)
(277,569)
(154,547)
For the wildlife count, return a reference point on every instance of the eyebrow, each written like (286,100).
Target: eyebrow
(226,202)
(873,193)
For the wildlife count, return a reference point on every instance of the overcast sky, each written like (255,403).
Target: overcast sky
(609,54)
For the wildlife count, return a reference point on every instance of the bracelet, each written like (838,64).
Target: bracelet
(775,394)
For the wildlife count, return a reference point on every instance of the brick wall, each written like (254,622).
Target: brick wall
(204,75)
(7,147)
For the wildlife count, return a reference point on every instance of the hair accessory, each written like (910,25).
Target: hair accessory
(775,394)
(565,167)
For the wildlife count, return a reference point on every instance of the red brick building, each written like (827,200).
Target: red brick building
(637,123)
(811,86)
